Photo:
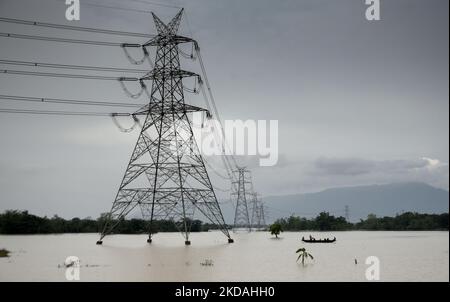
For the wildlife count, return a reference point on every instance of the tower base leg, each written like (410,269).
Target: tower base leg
(187,242)
(230,240)
(149,240)
(99,242)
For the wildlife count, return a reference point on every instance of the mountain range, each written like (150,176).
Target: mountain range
(381,200)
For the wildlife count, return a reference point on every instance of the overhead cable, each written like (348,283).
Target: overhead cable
(66,66)
(51,112)
(63,75)
(60,40)
(156,3)
(75,28)
(66,101)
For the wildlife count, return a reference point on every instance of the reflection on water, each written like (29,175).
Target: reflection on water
(404,256)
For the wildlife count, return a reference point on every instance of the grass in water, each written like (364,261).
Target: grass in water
(4,253)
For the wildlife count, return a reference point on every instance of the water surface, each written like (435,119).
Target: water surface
(256,256)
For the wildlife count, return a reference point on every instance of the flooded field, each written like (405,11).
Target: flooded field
(256,256)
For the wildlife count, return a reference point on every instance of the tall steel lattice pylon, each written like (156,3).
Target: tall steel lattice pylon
(166,175)
(258,217)
(242,190)
(347,213)
(262,215)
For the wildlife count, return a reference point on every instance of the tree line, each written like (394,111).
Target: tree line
(22,222)
(401,222)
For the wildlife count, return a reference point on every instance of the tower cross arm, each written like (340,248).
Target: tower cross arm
(169,39)
(160,73)
(155,108)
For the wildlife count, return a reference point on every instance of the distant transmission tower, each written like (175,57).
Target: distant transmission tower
(258,218)
(166,176)
(255,220)
(263,215)
(243,190)
(347,213)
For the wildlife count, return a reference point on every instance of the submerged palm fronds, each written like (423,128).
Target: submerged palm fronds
(4,253)
(303,254)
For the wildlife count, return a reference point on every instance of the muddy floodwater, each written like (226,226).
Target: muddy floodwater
(256,256)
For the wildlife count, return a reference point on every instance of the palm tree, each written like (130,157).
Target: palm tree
(302,253)
(4,253)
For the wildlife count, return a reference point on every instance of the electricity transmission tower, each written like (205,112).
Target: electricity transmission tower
(258,218)
(262,215)
(166,176)
(347,213)
(242,190)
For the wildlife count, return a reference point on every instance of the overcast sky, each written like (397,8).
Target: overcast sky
(357,102)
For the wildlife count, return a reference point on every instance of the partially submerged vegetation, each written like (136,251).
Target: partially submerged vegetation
(4,253)
(303,255)
(276,229)
(207,262)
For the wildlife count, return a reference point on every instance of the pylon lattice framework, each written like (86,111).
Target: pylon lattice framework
(242,190)
(347,213)
(258,217)
(166,175)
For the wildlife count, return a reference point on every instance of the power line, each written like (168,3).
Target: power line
(62,40)
(205,77)
(134,10)
(188,24)
(226,163)
(75,28)
(225,160)
(216,112)
(156,3)
(64,75)
(221,190)
(51,112)
(65,66)
(215,171)
(66,101)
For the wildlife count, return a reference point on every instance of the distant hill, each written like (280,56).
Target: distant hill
(382,200)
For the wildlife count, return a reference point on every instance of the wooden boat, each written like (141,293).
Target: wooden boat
(326,240)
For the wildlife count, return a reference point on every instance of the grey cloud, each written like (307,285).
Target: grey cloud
(305,175)
(401,165)
(253,161)
(357,166)
(346,166)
